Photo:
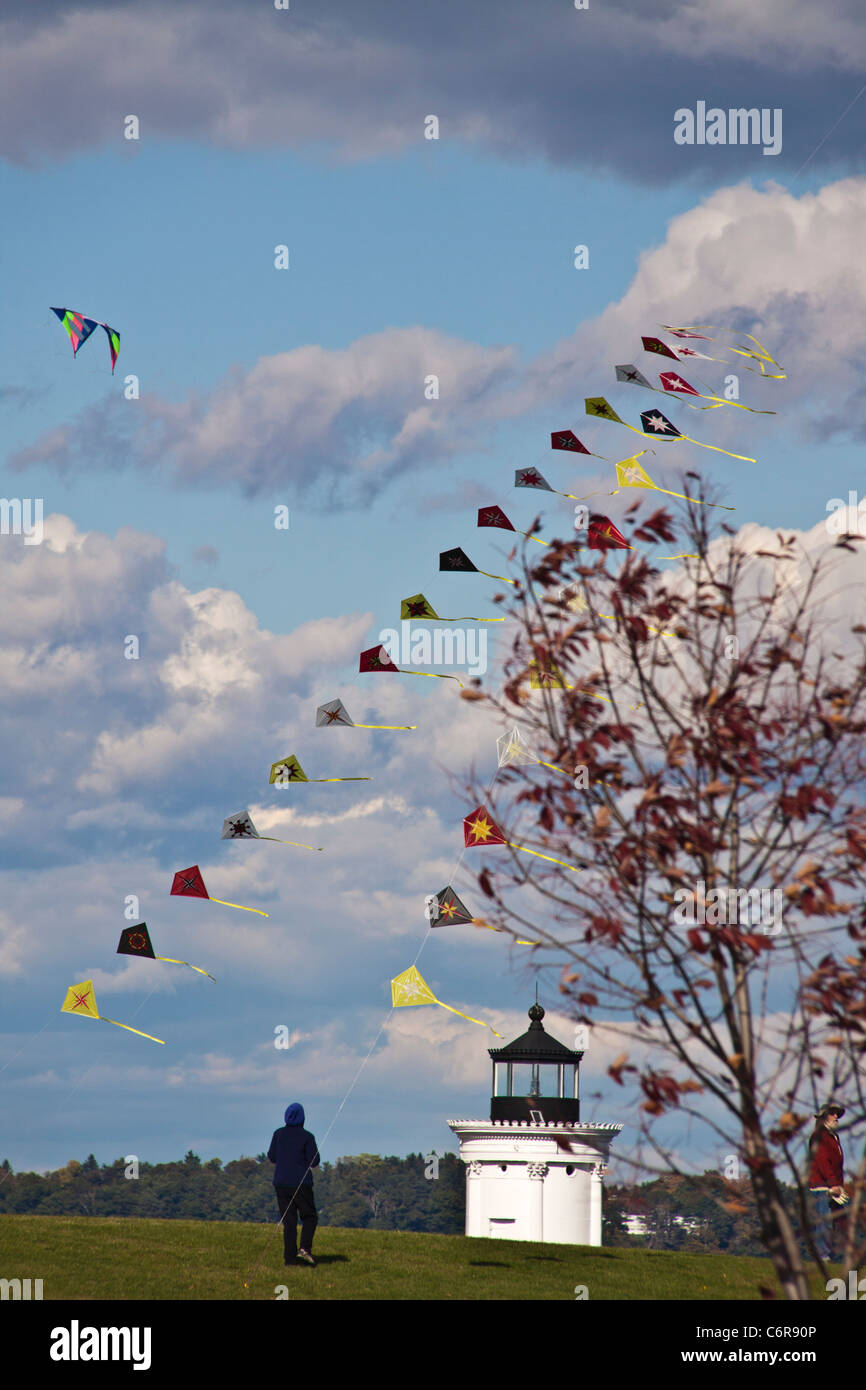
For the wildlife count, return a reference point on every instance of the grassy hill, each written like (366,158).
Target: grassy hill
(100,1258)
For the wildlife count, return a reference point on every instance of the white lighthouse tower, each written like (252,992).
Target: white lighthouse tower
(533,1171)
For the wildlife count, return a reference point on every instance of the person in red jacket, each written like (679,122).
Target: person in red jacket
(826,1174)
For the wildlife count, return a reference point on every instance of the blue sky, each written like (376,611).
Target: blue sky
(261,387)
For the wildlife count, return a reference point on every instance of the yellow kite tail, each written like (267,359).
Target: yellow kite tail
(552,766)
(434,676)
(341,779)
(538,542)
(132,1030)
(295,843)
(172,961)
(382,726)
(503,577)
(717,450)
(239,906)
(467,619)
(544,856)
(468,1019)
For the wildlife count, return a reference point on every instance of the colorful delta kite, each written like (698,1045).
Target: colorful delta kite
(418,607)
(335,712)
(530,477)
(458,562)
(288,770)
(80,328)
(81,1000)
(240,827)
(675,385)
(376,659)
(188,883)
(135,941)
(655,424)
(409,989)
(495,516)
(479,828)
(568,440)
(445,909)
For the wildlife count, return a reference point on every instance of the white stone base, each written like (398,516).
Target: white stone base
(534,1182)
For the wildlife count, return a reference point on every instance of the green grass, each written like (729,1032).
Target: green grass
(84,1258)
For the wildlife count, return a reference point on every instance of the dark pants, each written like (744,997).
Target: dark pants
(294,1205)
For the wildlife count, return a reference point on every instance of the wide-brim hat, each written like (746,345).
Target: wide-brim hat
(831,1108)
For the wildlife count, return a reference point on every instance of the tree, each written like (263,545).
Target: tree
(705,731)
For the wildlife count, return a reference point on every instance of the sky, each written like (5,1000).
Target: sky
(241,388)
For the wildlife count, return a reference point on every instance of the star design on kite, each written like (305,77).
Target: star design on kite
(633,475)
(631,376)
(190,885)
(481,829)
(333,715)
(492,518)
(238,828)
(676,381)
(530,476)
(657,423)
(80,999)
(295,774)
(447,909)
(564,442)
(602,410)
(417,609)
(137,941)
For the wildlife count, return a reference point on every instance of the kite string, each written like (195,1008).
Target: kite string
(385,1021)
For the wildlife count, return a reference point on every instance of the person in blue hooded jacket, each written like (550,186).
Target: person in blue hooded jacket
(293,1150)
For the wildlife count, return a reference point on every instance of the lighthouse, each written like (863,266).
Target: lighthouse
(533,1171)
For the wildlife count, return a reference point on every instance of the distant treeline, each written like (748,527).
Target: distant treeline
(696,1214)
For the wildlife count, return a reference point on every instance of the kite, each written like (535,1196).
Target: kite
(288,769)
(459,562)
(188,883)
(761,356)
(479,828)
(335,712)
(495,516)
(445,909)
(656,345)
(511,749)
(629,372)
(77,326)
(418,607)
(81,1000)
(409,988)
(80,328)
(530,477)
(676,385)
(240,827)
(661,427)
(601,534)
(629,473)
(377,659)
(655,423)
(135,941)
(568,440)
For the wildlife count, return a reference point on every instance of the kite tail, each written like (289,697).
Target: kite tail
(468,1019)
(529,538)
(295,843)
(340,779)
(239,906)
(552,766)
(172,961)
(544,856)
(434,676)
(132,1030)
(378,726)
(467,619)
(503,577)
(717,450)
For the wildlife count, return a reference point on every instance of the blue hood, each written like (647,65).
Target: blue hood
(295,1114)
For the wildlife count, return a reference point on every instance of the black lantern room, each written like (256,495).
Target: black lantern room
(535,1073)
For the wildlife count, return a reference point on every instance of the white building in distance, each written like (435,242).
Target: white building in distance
(533,1171)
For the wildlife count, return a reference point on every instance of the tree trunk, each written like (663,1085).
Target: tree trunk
(777,1232)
